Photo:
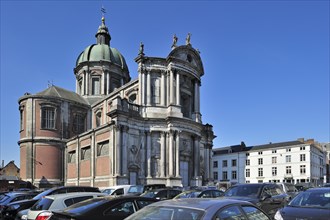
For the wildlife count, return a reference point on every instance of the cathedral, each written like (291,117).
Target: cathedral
(114,130)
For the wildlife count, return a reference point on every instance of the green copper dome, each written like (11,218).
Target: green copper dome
(98,52)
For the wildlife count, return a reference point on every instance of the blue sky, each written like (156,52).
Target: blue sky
(266,63)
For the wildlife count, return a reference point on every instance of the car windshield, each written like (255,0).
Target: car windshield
(149,194)
(42,204)
(136,189)
(290,188)
(190,194)
(44,193)
(4,198)
(315,199)
(163,212)
(109,191)
(250,190)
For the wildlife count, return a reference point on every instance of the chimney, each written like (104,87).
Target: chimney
(3,164)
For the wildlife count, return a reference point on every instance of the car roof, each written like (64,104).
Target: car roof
(198,203)
(319,189)
(74,194)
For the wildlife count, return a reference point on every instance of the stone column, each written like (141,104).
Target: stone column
(178,88)
(93,157)
(125,146)
(102,91)
(87,83)
(83,92)
(117,150)
(143,96)
(177,154)
(108,82)
(207,162)
(171,154)
(148,89)
(148,154)
(139,101)
(162,89)
(171,87)
(196,97)
(167,88)
(196,157)
(162,154)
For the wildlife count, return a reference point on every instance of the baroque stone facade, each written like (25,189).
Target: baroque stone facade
(113,130)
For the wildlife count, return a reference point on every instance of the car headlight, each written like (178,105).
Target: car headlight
(278,215)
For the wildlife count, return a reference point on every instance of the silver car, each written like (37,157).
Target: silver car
(59,202)
(199,209)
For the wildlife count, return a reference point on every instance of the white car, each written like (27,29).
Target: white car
(59,202)
(117,190)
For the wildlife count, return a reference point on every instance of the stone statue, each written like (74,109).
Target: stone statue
(141,50)
(188,39)
(175,39)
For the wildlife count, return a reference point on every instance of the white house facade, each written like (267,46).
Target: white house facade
(293,162)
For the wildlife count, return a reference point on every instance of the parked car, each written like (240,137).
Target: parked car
(289,189)
(109,207)
(14,196)
(11,210)
(161,194)
(200,209)
(267,196)
(313,203)
(117,190)
(199,193)
(326,185)
(139,189)
(59,202)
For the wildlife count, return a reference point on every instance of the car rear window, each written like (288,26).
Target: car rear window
(42,204)
(72,201)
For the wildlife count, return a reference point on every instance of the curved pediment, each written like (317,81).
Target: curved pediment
(188,56)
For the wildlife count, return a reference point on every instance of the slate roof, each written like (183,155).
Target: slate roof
(242,147)
(57,92)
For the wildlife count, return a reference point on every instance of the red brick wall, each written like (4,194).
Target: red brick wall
(51,162)
(85,168)
(23,156)
(72,170)
(102,166)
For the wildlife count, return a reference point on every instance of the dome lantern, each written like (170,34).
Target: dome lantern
(103,35)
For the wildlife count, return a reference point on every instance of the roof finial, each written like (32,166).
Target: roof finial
(103,12)
(175,39)
(188,39)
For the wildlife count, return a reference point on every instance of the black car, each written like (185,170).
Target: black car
(313,203)
(9,197)
(104,208)
(200,193)
(161,194)
(11,209)
(267,196)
